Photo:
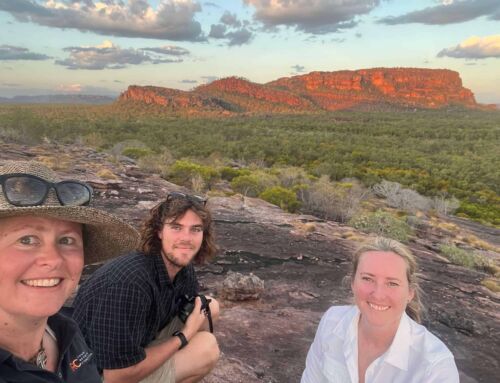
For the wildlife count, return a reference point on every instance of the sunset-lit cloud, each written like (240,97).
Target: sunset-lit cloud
(69,88)
(171,20)
(106,45)
(311,16)
(110,56)
(475,48)
(11,53)
(449,12)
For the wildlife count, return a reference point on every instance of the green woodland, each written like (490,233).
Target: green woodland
(451,153)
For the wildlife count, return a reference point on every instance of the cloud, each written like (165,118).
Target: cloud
(10,52)
(189,81)
(209,79)
(110,56)
(171,20)
(69,88)
(298,68)
(449,12)
(217,31)
(311,16)
(168,50)
(475,48)
(231,29)
(231,19)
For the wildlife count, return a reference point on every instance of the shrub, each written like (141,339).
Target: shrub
(118,148)
(291,176)
(106,174)
(229,173)
(338,201)
(183,172)
(469,259)
(251,185)
(415,222)
(157,163)
(248,185)
(445,206)
(399,198)
(491,284)
(284,198)
(136,153)
(383,224)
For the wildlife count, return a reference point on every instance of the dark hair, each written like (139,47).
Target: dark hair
(173,209)
(414,308)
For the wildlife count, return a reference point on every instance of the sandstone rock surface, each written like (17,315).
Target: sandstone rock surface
(240,287)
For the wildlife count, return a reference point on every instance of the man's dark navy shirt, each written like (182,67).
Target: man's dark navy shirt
(76,361)
(123,305)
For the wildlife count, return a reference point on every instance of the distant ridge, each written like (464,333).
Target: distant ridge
(58,99)
(366,89)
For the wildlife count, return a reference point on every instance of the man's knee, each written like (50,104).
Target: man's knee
(208,349)
(198,358)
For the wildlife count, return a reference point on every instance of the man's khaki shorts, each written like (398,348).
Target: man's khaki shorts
(166,372)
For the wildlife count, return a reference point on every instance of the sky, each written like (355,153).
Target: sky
(102,47)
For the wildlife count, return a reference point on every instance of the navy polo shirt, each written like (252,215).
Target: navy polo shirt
(76,361)
(123,305)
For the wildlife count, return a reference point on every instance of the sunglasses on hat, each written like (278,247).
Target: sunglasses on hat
(28,190)
(196,199)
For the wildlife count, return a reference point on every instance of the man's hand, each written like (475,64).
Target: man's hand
(194,321)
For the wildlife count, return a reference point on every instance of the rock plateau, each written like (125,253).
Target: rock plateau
(366,89)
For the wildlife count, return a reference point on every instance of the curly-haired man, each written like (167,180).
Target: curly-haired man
(127,310)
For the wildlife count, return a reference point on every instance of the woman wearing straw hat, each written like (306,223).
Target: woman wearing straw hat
(46,227)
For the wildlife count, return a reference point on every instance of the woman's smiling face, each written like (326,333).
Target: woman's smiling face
(41,260)
(380,287)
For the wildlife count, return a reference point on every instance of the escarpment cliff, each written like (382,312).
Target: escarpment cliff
(366,89)
(405,87)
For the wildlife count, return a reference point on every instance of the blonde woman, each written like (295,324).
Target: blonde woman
(379,339)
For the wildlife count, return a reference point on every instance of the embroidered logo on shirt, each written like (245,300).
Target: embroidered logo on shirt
(80,360)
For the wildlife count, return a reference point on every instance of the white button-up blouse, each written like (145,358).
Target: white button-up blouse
(415,355)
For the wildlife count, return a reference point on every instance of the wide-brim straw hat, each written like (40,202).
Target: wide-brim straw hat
(104,235)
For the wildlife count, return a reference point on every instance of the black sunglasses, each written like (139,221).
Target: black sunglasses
(22,189)
(196,199)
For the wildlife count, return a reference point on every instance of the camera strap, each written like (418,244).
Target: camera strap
(206,308)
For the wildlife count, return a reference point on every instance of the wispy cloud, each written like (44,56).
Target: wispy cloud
(170,50)
(10,53)
(475,48)
(171,20)
(449,12)
(186,81)
(311,16)
(231,29)
(111,56)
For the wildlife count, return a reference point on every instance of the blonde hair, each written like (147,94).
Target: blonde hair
(414,308)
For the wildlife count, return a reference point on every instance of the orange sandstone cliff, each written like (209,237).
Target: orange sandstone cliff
(366,89)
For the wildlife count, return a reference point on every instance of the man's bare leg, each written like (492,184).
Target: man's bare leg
(197,359)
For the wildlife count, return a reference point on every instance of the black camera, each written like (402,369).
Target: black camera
(186,306)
